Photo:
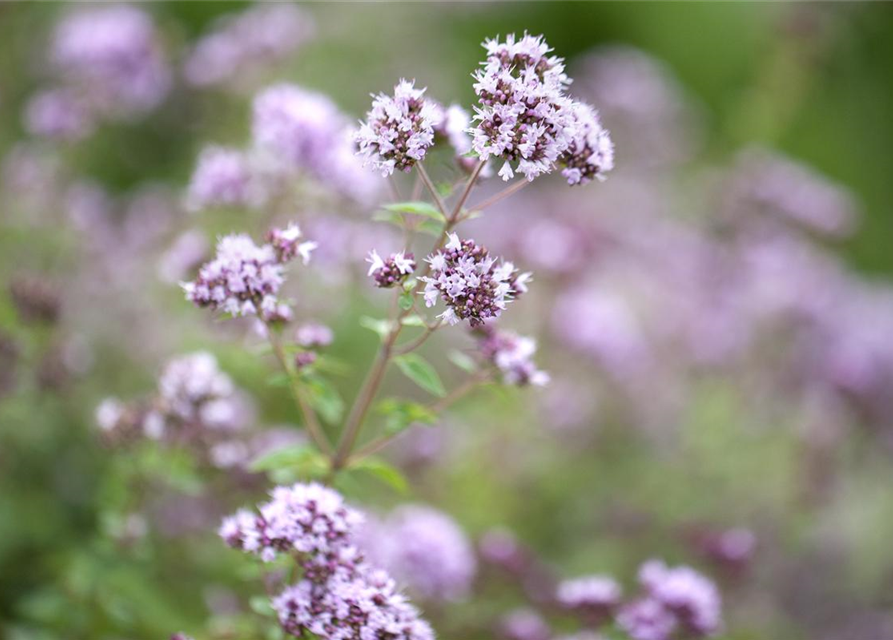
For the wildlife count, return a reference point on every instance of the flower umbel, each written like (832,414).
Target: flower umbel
(399,129)
(471,283)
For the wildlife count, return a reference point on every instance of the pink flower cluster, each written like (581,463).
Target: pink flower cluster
(340,596)
(391,271)
(244,278)
(525,116)
(512,355)
(471,283)
(398,129)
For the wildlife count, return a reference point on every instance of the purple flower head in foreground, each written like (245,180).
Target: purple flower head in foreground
(308,519)
(244,44)
(223,177)
(113,56)
(398,129)
(424,549)
(690,596)
(361,603)
(287,245)
(340,596)
(523,114)
(591,152)
(591,597)
(513,356)
(390,272)
(242,280)
(471,283)
(58,113)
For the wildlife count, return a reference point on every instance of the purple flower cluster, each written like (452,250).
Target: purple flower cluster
(593,598)
(340,596)
(526,117)
(223,177)
(112,57)
(241,46)
(523,111)
(471,283)
(390,272)
(244,279)
(424,549)
(675,599)
(590,152)
(398,129)
(512,355)
(59,113)
(287,243)
(195,402)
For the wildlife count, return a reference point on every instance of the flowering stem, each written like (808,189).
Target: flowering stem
(354,422)
(412,345)
(459,392)
(432,190)
(505,193)
(314,428)
(467,191)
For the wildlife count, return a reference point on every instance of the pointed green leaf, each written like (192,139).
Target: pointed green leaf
(463,361)
(385,472)
(402,414)
(417,369)
(424,209)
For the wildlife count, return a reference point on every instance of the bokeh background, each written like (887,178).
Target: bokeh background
(716,317)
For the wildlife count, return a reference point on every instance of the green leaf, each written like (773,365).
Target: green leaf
(424,209)
(463,361)
(405,301)
(291,463)
(401,414)
(261,606)
(280,379)
(430,228)
(417,369)
(385,472)
(413,321)
(325,399)
(381,327)
(390,217)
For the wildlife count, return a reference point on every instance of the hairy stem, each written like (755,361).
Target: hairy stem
(432,190)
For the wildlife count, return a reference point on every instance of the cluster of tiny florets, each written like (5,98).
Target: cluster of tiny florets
(523,113)
(307,519)
(244,278)
(676,598)
(340,596)
(391,271)
(195,402)
(398,129)
(363,603)
(471,283)
(512,355)
(591,152)
(287,243)
(223,177)
(591,597)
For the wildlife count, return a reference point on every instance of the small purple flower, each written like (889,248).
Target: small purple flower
(593,598)
(313,334)
(591,152)
(391,272)
(398,129)
(647,619)
(471,283)
(287,245)
(690,596)
(58,113)
(223,177)
(512,355)
(243,279)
